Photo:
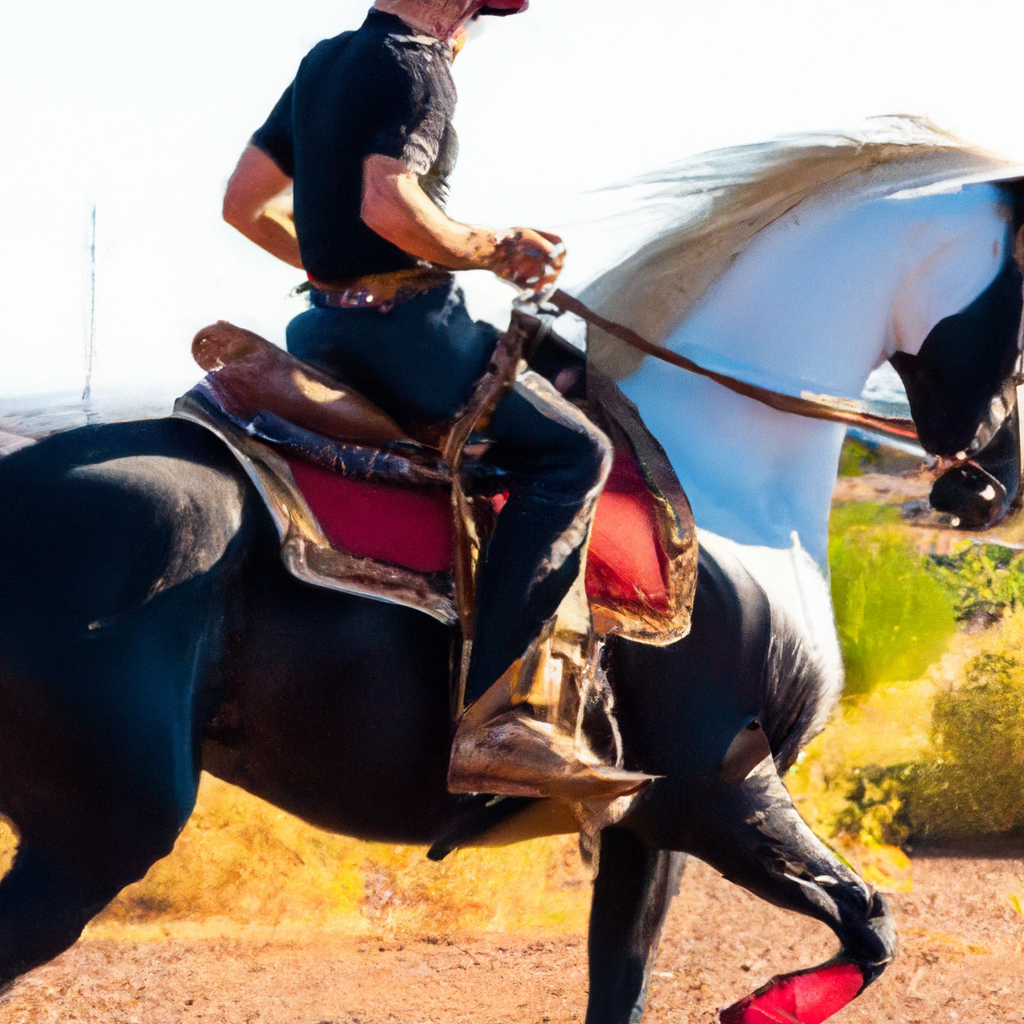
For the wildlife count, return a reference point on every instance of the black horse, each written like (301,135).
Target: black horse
(148,630)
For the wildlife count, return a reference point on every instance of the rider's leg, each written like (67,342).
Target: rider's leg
(532,629)
(418,361)
(556,463)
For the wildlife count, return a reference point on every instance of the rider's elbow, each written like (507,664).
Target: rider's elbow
(384,207)
(257,182)
(373,214)
(234,211)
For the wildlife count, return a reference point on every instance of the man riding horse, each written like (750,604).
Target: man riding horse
(363,137)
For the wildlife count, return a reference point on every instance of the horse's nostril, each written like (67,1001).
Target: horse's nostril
(972,496)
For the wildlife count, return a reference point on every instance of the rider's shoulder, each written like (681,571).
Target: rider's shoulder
(328,49)
(346,59)
(384,47)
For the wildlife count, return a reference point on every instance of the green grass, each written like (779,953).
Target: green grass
(929,742)
(984,579)
(856,458)
(893,614)
(970,781)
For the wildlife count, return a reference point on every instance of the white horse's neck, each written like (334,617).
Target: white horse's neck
(815,302)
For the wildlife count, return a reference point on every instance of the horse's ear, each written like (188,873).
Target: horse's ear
(748,749)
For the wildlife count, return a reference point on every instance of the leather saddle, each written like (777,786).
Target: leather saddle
(363,508)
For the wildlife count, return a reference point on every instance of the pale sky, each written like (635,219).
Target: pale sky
(143,108)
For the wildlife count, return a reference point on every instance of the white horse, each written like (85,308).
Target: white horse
(814,260)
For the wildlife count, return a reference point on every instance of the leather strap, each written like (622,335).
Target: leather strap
(815,407)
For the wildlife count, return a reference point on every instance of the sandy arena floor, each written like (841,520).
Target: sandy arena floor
(960,961)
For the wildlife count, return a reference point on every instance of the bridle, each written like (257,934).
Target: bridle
(819,407)
(815,407)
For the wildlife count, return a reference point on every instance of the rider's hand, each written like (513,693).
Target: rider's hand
(530,259)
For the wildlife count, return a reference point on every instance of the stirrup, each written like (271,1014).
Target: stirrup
(525,735)
(516,755)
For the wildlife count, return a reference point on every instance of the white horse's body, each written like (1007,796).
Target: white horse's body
(814,302)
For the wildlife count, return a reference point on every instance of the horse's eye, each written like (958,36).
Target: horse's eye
(747,750)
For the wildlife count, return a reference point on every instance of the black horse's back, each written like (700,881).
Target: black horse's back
(95,521)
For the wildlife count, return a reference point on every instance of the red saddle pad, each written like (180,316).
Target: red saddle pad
(414,529)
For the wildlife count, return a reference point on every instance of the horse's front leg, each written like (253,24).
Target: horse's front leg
(752,833)
(632,893)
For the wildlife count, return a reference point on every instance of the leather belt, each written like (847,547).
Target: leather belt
(379,291)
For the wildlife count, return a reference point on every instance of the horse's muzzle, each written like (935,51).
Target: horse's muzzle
(972,496)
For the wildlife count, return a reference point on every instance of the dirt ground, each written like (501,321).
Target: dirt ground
(960,961)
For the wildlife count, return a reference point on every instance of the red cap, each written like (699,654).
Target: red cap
(503,7)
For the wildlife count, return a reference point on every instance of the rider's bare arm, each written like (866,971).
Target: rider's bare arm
(396,208)
(258,202)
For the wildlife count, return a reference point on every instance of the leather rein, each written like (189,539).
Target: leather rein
(815,407)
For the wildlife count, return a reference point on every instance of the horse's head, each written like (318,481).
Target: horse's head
(961,389)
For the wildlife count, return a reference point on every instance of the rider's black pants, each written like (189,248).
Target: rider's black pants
(419,362)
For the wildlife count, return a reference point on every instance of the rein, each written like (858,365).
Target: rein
(815,407)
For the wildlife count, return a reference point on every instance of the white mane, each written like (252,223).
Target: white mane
(710,206)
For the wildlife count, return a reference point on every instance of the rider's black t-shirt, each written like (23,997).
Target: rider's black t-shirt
(381,89)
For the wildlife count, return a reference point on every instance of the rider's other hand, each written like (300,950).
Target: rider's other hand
(530,259)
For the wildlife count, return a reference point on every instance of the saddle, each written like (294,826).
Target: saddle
(363,508)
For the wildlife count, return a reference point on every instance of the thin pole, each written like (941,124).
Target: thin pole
(90,344)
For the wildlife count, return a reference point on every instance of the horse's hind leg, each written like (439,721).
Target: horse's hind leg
(98,771)
(632,893)
(59,882)
(49,895)
(119,550)
(94,812)
(42,913)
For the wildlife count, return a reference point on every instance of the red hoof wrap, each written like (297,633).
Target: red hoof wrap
(806,998)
